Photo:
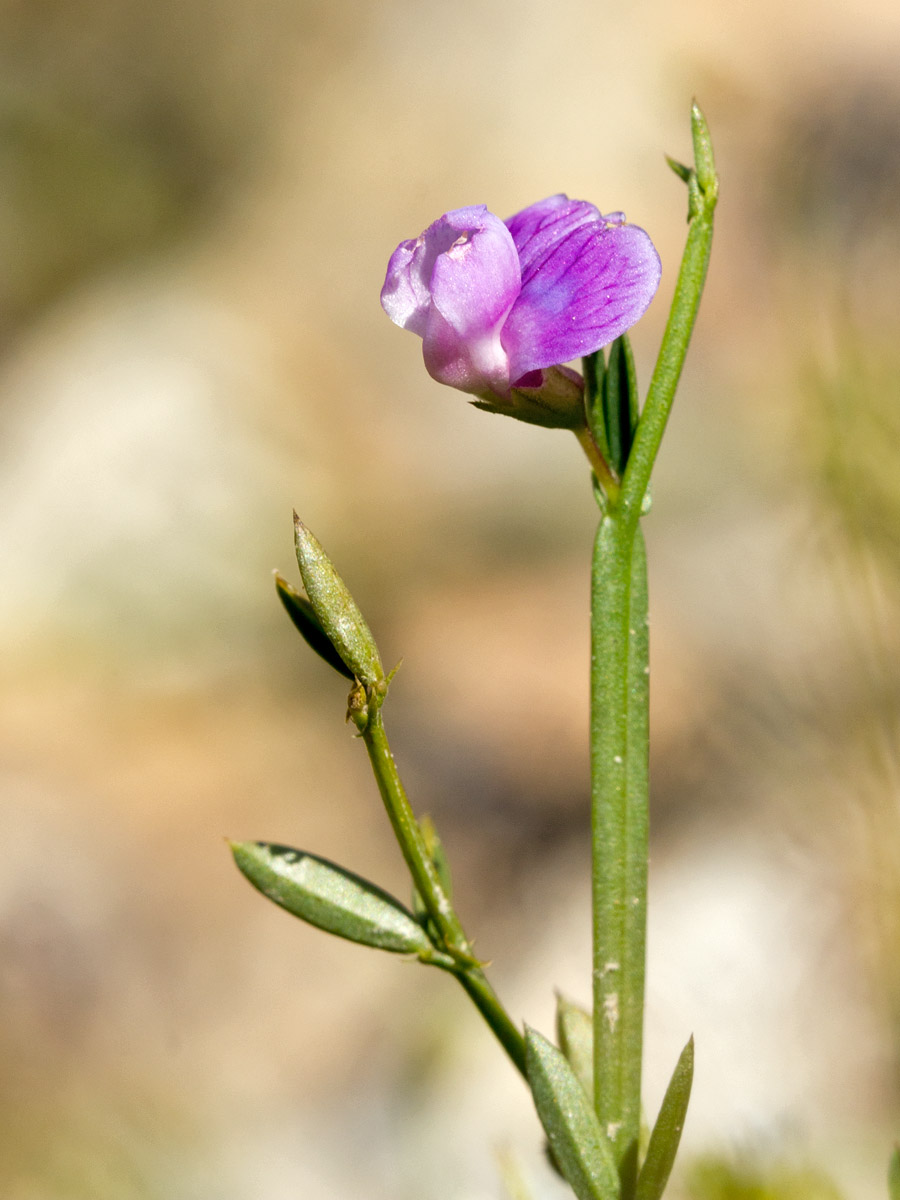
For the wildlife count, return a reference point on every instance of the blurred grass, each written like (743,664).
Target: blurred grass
(753,1178)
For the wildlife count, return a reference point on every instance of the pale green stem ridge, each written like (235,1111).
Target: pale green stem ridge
(619,773)
(427,883)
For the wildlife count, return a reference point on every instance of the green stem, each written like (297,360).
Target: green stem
(605,477)
(427,883)
(409,836)
(475,984)
(619,773)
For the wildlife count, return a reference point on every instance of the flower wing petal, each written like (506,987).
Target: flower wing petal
(454,286)
(580,291)
(474,283)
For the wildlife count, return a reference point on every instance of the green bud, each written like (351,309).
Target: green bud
(331,898)
(336,609)
(301,612)
(358,707)
(575,1034)
(704,161)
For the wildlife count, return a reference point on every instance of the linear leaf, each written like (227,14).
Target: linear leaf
(578,1143)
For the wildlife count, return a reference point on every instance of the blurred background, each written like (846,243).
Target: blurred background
(197,203)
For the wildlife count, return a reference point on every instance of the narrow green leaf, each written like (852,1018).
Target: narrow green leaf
(575,1034)
(594,369)
(325,895)
(579,1145)
(894,1175)
(299,609)
(666,1134)
(620,402)
(335,608)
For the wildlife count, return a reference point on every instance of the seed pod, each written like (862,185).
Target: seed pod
(336,609)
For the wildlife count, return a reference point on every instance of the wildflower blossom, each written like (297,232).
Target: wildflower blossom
(501,305)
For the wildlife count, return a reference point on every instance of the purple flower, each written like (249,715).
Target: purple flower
(498,303)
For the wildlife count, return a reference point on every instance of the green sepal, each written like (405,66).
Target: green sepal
(575,1034)
(579,1145)
(558,403)
(331,898)
(621,408)
(663,1144)
(336,610)
(894,1175)
(301,612)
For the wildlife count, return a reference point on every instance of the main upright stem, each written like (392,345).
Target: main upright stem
(620,699)
(619,773)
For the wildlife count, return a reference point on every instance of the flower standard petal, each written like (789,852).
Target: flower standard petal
(537,228)
(579,292)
